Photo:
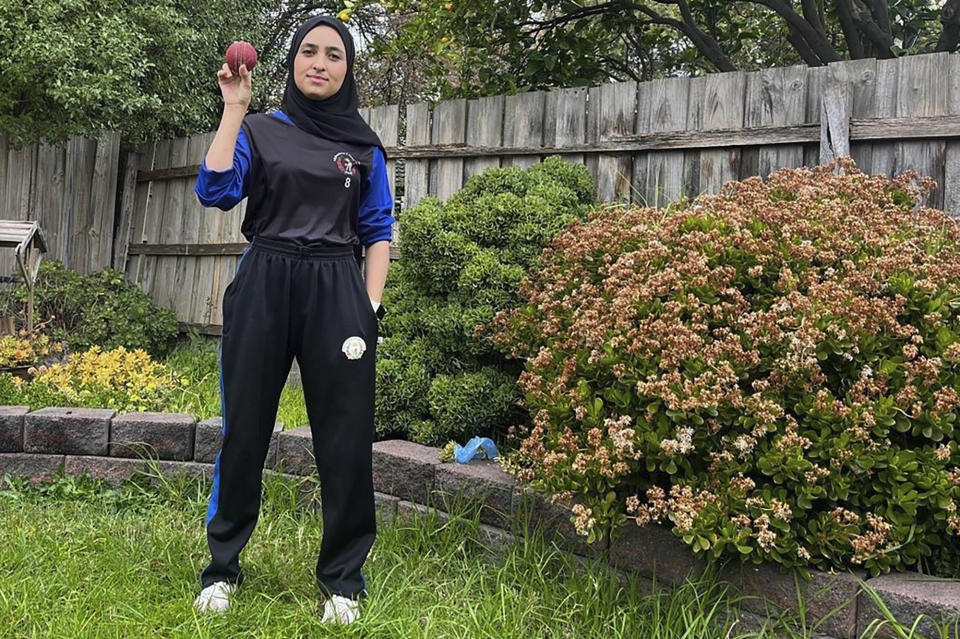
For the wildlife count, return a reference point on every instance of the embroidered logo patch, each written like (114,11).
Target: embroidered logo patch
(345,163)
(353,347)
(347,166)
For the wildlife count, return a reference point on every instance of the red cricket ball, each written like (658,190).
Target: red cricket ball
(240,52)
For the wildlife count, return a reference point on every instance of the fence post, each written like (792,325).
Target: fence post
(127,199)
(835,106)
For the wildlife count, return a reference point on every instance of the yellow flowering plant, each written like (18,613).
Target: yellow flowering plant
(27,347)
(121,379)
(771,370)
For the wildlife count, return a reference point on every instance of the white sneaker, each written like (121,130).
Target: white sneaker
(340,609)
(215,597)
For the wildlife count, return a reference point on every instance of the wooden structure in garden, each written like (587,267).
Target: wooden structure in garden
(27,240)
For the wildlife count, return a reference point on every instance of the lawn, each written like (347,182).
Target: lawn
(79,558)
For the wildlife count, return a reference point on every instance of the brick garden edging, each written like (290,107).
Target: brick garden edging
(409,478)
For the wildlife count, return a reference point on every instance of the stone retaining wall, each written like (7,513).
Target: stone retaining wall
(409,478)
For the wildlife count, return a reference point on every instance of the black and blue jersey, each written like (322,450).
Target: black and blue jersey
(302,187)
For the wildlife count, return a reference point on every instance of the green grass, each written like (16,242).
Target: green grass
(81,559)
(195,357)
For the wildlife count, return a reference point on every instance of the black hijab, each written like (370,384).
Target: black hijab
(336,117)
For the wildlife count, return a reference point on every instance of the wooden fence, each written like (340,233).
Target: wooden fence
(71,190)
(645,143)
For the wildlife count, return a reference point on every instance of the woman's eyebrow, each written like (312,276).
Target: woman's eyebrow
(310,45)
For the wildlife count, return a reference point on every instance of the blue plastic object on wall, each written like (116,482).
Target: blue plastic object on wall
(478,447)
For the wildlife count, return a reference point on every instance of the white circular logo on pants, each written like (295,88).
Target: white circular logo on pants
(354,347)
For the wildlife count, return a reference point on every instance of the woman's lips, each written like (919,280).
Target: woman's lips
(317,79)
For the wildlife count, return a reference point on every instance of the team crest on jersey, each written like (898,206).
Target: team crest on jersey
(345,163)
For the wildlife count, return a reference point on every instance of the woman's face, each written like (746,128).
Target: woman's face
(321,63)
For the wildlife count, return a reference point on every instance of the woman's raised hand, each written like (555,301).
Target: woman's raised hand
(236,88)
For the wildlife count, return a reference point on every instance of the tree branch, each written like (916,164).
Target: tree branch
(641,52)
(804,49)
(573,16)
(880,38)
(812,15)
(817,43)
(850,32)
(619,65)
(880,13)
(950,19)
(706,44)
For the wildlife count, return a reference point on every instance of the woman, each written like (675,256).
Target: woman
(315,178)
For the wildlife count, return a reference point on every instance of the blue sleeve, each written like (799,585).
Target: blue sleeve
(224,189)
(376,204)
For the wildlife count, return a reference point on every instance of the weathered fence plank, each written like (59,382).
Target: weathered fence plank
(484,128)
(616,119)
(661,107)
(774,97)
(449,127)
(921,92)
(416,172)
(523,125)
(566,122)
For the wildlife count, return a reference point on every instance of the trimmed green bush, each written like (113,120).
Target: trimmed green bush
(101,309)
(462,261)
(465,404)
(402,386)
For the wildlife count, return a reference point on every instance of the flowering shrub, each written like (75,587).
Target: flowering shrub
(27,347)
(773,370)
(120,379)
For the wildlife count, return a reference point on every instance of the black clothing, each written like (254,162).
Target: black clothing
(302,187)
(309,302)
(336,117)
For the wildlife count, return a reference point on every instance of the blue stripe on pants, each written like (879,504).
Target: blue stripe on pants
(215,494)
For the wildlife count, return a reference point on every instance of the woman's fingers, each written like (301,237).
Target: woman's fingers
(235,86)
(246,77)
(242,73)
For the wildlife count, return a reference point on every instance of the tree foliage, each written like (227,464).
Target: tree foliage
(470,48)
(147,69)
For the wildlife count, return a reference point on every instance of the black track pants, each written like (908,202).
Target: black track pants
(291,300)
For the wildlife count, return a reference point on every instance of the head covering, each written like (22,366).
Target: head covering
(336,117)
